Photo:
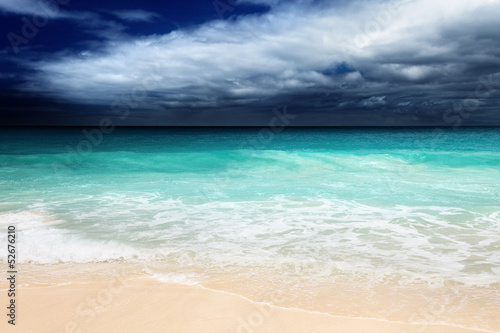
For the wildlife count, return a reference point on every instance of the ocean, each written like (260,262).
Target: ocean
(410,208)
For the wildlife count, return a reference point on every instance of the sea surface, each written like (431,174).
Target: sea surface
(407,206)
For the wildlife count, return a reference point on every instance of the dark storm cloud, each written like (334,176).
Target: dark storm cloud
(417,62)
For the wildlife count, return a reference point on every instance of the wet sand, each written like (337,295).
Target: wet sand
(138,303)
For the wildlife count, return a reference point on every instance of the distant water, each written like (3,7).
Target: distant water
(402,204)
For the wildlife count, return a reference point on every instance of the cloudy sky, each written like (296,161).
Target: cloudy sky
(231,62)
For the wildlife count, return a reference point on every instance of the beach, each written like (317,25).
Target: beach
(250,166)
(196,230)
(95,302)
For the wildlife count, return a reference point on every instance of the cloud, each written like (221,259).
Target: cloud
(49,9)
(89,22)
(424,55)
(136,15)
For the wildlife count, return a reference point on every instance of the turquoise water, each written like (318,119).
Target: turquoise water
(405,204)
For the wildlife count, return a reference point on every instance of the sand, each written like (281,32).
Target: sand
(137,303)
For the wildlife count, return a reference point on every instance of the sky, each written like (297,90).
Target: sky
(240,62)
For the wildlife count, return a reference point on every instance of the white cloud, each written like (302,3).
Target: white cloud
(285,51)
(50,9)
(88,21)
(135,15)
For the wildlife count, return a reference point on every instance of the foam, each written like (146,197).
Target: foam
(39,240)
(188,279)
(295,235)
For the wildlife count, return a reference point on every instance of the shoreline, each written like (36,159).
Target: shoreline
(343,317)
(132,300)
(153,306)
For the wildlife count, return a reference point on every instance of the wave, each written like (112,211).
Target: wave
(291,235)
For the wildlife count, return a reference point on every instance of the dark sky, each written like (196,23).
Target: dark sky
(231,62)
